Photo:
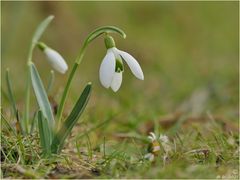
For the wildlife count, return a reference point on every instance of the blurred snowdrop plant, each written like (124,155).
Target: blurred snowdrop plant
(111,69)
(158,145)
(53,130)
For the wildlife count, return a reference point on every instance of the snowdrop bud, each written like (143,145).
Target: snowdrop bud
(54,58)
(109,42)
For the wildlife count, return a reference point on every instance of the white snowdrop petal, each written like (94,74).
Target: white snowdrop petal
(56,60)
(133,64)
(116,81)
(107,69)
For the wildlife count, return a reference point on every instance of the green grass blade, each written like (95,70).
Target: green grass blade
(4,94)
(99,125)
(71,120)
(41,96)
(41,28)
(44,133)
(8,126)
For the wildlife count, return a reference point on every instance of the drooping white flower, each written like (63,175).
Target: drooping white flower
(54,58)
(111,68)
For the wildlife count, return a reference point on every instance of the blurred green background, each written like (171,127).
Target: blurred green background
(181,46)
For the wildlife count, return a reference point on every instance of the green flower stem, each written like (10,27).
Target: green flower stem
(66,90)
(65,93)
(93,35)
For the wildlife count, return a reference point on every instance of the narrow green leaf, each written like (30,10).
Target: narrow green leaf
(71,120)
(24,128)
(27,99)
(41,96)
(44,133)
(10,93)
(41,28)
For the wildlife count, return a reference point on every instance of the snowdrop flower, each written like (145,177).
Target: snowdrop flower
(155,147)
(54,58)
(111,68)
(155,143)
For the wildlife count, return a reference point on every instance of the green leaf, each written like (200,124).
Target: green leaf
(41,96)
(71,120)
(44,133)
(41,28)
